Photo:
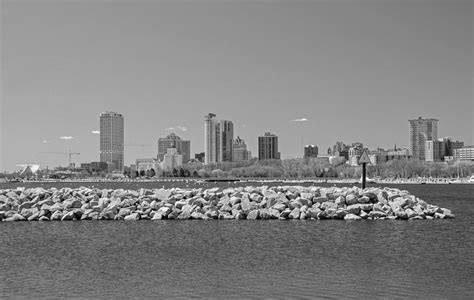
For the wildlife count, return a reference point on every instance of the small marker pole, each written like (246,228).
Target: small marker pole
(363,174)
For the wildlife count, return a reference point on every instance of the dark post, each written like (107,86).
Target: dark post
(363,175)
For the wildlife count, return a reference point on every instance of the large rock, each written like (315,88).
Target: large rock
(351,199)
(328,205)
(132,217)
(253,215)
(351,217)
(15,217)
(69,216)
(353,209)
(295,213)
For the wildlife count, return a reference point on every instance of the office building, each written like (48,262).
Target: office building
(111,139)
(310,151)
(464,153)
(218,139)
(422,130)
(268,147)
(434,151)
(173,141)
(172,159)
(240,150)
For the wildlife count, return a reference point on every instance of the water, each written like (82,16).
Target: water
(246,259)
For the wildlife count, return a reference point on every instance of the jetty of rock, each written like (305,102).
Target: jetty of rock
(251,203)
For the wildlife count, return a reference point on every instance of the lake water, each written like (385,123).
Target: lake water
(246,259)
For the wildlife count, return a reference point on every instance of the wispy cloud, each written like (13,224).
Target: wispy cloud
(300,120)
(178,128)
(66,137)
(95,131)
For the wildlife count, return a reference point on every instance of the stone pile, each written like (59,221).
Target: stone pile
(282,202)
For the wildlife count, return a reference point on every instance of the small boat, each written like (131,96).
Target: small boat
(471,180)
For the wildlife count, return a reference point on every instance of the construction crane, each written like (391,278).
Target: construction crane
(70,153)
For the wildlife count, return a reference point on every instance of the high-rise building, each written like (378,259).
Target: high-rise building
(173,141)
(172,159)
(268,147)
(111,139)
(434,150)
(240,150)
(310,151)
(422,130)
(450,145)
(218,139)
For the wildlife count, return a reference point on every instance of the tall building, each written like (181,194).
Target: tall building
(310,151)
(172,159)
(240,150)
(173,141)
(111,139)
(434,150)
(268,147)
(422,130)
(218,139)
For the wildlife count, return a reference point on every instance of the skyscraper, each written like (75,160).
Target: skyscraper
(310,151)
(422,130)
(218,139)
(111,139)
(268,147)
(240,150)
(173,141)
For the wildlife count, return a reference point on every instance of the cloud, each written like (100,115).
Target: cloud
(66,137)
(300,120)
(178,128)
(95,131)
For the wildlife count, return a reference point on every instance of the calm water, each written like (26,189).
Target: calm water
(250,259)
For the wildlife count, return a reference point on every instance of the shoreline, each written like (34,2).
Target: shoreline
(224,203)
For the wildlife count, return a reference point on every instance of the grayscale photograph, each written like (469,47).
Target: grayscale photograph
(237,149)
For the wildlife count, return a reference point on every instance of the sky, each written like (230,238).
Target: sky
(311,72)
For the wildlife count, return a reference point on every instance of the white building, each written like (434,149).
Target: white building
(172,159)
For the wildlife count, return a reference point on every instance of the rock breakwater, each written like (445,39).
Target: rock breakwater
(282,202)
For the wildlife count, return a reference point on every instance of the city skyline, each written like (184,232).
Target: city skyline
(338,73)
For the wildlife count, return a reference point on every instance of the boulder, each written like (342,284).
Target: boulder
(253,215)
(285,214)
(69,216)
(274,213)
(328,205)
(363,200)
(351,199)
(377,214)
(56,216)
(132,217)
(353,209)
(351,217)
(295,213)
(15,217)
(43,218)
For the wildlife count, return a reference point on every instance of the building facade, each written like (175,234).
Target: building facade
(240,150)
(172,159)
(147,165)
(268,147)
(310,151)
(112,139)
(218,139)
(173,141)
(434,151)
(464,153)
(422,130)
